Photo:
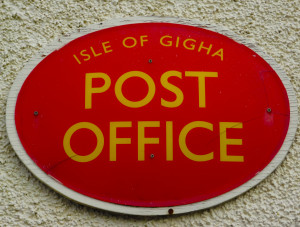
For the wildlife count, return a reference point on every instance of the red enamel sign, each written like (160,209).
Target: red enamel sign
(151,115)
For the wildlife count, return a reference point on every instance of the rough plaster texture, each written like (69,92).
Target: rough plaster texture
(28,26)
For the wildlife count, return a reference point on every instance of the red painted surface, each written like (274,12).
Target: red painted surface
(245,87)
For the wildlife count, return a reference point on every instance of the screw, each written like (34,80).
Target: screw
(35,113)
(152,156)
(269,110)
(150,61)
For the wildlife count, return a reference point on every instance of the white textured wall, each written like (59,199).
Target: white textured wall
(28,26)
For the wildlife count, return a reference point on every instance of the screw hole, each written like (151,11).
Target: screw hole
(152,156)
(171,211)
(150,60)
(35,113)
(269,110)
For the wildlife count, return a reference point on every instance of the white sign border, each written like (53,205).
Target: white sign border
(57,186)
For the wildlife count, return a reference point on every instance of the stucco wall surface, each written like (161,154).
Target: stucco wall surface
(28,26)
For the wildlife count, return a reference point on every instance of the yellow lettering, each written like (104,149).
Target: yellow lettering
(76,59)
(168,42)
(113,140)
(191,46)
(169,140)
(182,141)
(129,38)
(179,95)
(205,48)
(94,53)
(201,84)
(89,90)
(141,137)
(106,46)
(143,39)
(72,130)
(135,104)
(224,141)
(177,41)
(219,53)
(88,57)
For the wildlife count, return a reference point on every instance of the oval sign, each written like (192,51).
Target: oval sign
(151,116)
